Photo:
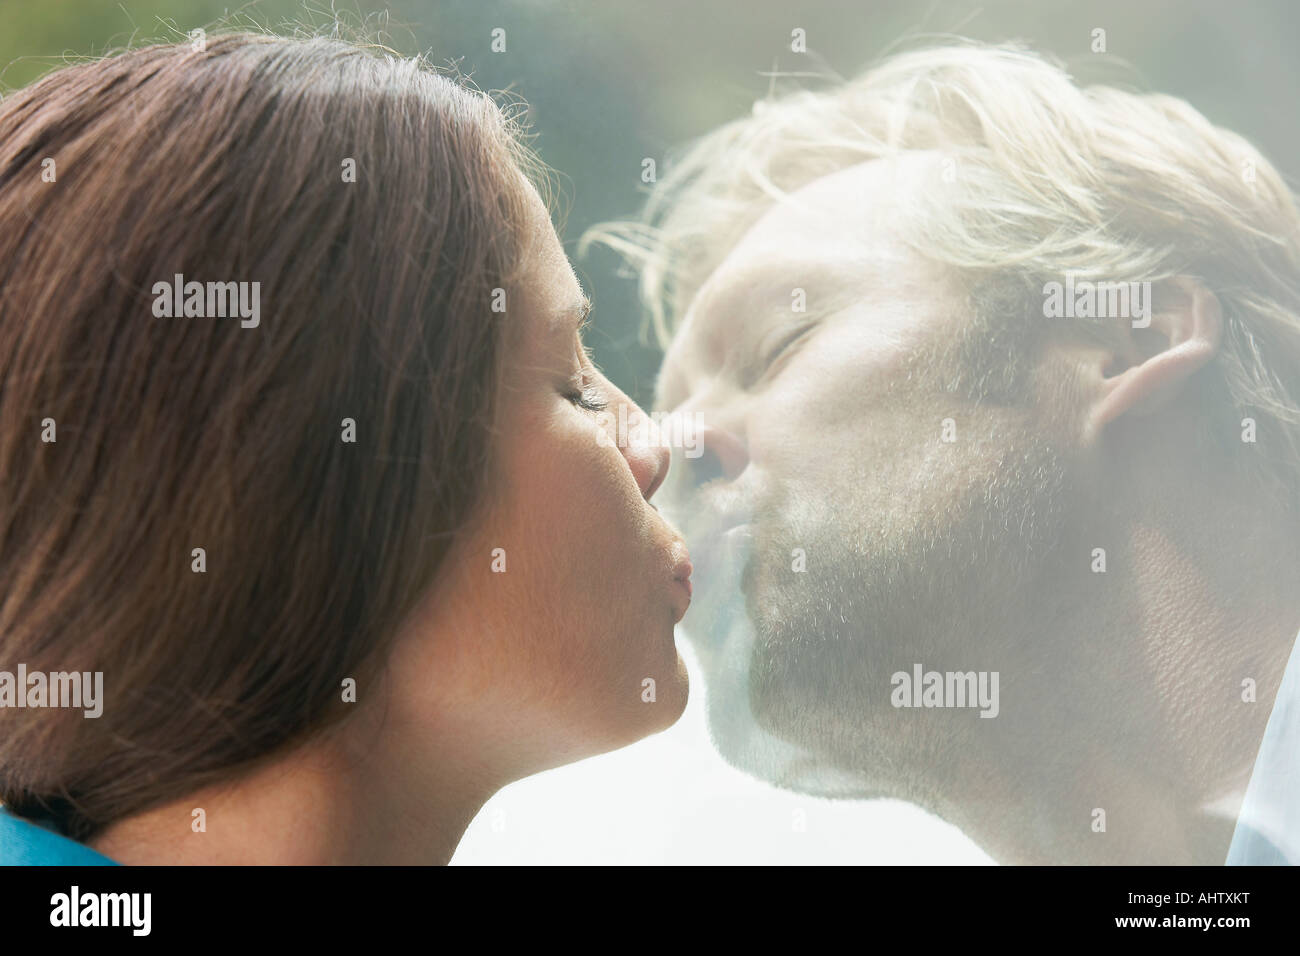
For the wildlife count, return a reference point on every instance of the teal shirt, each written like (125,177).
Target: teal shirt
(26,843)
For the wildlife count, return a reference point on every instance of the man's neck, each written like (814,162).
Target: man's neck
(1152,695)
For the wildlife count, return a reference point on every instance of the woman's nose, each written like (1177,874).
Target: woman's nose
(646,454)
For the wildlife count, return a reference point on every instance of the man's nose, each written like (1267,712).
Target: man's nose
(718,453)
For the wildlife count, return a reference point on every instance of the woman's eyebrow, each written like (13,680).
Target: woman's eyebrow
(580,313)
(571,319)
(573,316)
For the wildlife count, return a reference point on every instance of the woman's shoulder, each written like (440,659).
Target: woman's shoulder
(25,842)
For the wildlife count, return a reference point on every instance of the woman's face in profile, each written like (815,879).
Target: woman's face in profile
(568,588)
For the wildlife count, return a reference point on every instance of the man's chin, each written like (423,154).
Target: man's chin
(723,641)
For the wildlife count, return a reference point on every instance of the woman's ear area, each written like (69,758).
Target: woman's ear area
(1160,352)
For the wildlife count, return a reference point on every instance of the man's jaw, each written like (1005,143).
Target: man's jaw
(725,657)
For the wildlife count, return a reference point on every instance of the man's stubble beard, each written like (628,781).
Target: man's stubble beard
(932,560)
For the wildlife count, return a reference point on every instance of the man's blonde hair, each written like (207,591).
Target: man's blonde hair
(1042,178)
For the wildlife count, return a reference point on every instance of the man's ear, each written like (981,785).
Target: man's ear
(1157,360)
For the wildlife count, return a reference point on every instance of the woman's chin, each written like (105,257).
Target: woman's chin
(668,702)
(658,703)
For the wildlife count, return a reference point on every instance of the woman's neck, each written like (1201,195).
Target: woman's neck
(330,802)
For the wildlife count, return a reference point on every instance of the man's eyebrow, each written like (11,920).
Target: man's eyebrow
(770,285)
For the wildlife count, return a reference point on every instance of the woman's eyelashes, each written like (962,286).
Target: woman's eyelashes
(582,392)
(587,397)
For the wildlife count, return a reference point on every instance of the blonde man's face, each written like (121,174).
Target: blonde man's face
(838,536)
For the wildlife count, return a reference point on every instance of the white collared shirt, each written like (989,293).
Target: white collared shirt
(1268,826)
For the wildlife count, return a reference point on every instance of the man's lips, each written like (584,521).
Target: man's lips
(714,540)
(718,526)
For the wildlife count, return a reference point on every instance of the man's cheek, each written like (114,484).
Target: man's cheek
(795,445)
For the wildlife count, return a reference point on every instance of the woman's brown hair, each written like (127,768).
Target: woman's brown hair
(378,204)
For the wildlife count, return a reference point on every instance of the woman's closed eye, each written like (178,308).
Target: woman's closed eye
(587,397)
(582,391)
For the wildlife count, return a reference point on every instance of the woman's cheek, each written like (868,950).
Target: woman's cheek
(607,425)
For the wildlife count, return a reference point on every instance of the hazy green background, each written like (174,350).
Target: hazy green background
(615,81)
